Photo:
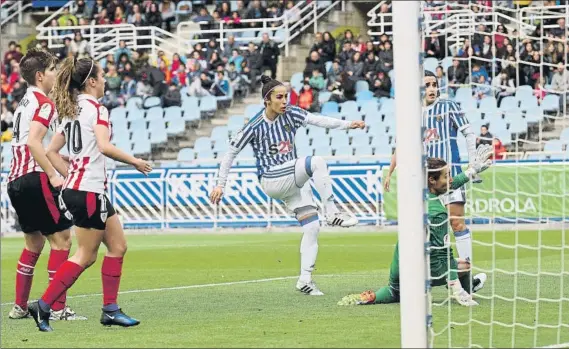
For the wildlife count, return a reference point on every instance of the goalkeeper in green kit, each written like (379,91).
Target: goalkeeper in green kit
(445,269)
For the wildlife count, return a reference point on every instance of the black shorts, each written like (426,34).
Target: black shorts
(89,210)
(35,201)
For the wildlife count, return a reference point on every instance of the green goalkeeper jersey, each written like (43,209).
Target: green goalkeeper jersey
(438,220)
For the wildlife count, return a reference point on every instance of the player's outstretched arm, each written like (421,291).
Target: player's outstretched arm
(480,163)
(333,123)
(109,150)
(461,123)
(57,142)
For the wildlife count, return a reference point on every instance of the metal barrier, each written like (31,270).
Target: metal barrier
(178,198)
(106,37)
(11,9)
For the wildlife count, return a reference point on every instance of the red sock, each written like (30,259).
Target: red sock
(63,279)
(56,259)
(24,277)
(111,275)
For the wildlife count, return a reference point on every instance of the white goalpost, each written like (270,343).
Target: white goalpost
(410,196)
(519,215)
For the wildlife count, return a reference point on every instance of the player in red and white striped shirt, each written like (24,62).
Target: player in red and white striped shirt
(87,132)
(33,184)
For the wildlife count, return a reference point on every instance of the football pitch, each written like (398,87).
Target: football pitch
(237,290)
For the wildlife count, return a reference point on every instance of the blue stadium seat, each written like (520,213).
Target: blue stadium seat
(347,153)
(124,144)
(364,95)
(503,135)
(388,106)
(488,104)
(322,150)
(550,103)
(370,109)
(208,104)
(235,122)
(186,154)
(246,157)
(206,154)
(140,136)
(302,140)
(364,151)
(158,135)
(349,111)
(172,113)
(202,143)
(430,64)
(361,141)
(497,124)
(554,145)
(220,133)
(321,141)
(221,146)
(155,113)
(252,110)
(528,102)
(508,103)
(118,113)
(324,96)
(463,92)
(536,156)
(152,101)
(330,109)
(446,63)
(192,115)
(339,139)
(296,79)
(524,92)
(362,85)
(176,127)
(317,132)
(119,126)
(467,103)
(190,103)
(135,113)
(564,137)
(137,126)
(516,121)
(156,125)
(382,146)
(280,36)
(134,102)
(473,116)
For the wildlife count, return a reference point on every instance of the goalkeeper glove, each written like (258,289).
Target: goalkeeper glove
(366,297)
(481,161)
(461,296)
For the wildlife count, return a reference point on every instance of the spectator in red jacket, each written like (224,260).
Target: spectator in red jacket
(499,150)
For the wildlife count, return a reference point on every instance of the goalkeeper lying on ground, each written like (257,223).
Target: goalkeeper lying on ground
(445,269)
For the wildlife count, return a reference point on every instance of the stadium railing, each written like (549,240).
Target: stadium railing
(12,9)
(182,42)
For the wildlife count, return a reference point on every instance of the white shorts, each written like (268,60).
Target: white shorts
(454,197)
(289,183)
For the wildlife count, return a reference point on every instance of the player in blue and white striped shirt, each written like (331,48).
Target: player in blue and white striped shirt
(443,120)
(283,175)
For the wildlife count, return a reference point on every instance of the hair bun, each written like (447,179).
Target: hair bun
(265,79)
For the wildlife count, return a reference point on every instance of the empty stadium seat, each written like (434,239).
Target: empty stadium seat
(564,137)
(176,127)
(186,154)
(296,79)
(252,110)
(370,109)
(202,143)
(550,103)
(142,147)
(488,104)
(554,145)
(463,92)
(151,102)
(134,102)
(155,113)
(508,103)
(467,103)
(387,106)
(192,115)
(158,135)
(208,104)
(118,113)
(430,63)
(349,110)
(330,109)
(246,157)
(324,96)
(339,139)
(190,102)
(528,103)
(172,113)
(362,85)
(220,133)
(137,126)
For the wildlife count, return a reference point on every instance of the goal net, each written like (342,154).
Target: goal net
(506,67)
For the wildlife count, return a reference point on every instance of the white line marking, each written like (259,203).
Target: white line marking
(187,287)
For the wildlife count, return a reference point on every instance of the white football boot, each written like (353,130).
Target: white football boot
(339,219)
(18,313)
(308,288)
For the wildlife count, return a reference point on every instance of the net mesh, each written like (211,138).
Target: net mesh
(506,66)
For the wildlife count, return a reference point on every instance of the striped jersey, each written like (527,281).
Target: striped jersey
(87,170)
(442,121)
(34,106)
(272,141)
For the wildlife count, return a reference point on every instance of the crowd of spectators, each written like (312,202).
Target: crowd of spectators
(209,69)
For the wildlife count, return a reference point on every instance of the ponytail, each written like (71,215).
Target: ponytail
(64,93)
(71,79)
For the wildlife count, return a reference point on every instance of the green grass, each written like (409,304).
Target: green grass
(272,313)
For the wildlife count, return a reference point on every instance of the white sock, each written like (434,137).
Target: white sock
(463,241)
(309,247)
(323,184)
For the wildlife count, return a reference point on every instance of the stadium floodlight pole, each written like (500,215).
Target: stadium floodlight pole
(410,173)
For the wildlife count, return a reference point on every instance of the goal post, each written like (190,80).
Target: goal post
(410,196)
